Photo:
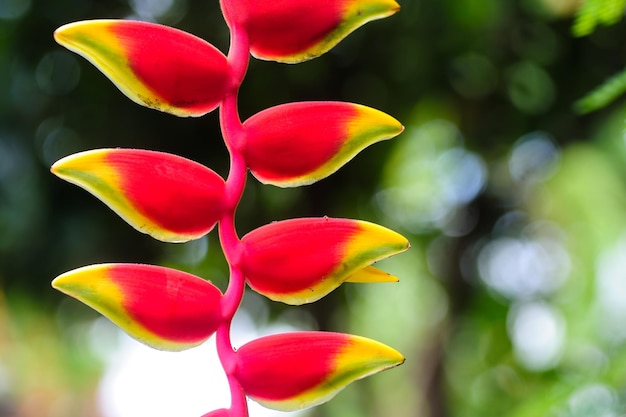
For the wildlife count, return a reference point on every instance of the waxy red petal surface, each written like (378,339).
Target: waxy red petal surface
(169,303)
(185,71)
(297,138)
(292,255)
(178,194)
(283,366)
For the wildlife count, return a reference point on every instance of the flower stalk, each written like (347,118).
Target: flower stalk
(291,261)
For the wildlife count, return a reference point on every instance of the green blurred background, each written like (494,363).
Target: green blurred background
(512,299)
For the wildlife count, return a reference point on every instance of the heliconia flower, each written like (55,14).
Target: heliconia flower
(166,196)
(299,143)
(301,260)
(161,307)
(293,371)
(297,30)
(154,65)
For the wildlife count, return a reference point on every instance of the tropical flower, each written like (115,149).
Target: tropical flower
(299,143)
(166,196)
(154,65)
(301,260)
(297,30)
(164,308)
(292,371)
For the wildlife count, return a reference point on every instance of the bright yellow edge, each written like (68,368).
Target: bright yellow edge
(308,295)
(373,243)
(369,274)
(94,41)
(370,243)
(92,286)
(368,127)
(356,14)
(360,358)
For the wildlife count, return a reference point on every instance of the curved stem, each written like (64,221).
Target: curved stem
(239,407)
(238,58)
(228,359)
(234,293)
(238,55)
(234,137)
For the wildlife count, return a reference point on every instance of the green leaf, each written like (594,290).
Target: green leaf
(603,95)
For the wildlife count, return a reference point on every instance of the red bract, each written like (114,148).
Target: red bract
(301,260)
(154,65)
(299,143)
(161,307)
(297,30)
(169,197)
(293,371)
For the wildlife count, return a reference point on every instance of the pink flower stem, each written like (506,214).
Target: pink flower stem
(238,406)
(234,137)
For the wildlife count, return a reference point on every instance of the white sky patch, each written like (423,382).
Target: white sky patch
(141,381)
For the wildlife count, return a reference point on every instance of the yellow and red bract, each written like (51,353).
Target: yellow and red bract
(166,196)
(164,308)
(299,143)
(292,371)
(301,260)
(296,30)
(154,65)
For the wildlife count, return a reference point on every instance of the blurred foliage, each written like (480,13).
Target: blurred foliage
(593,13)
(511,300)
(45,364)
(603,95)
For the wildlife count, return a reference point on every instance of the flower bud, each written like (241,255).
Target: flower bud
(292,371)
(161,307)
(299,143)
(301,260)
(166,196)
(297,30)
(154,65)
